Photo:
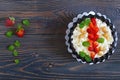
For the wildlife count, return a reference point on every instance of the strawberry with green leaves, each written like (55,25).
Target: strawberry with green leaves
(10,21)
(20,31)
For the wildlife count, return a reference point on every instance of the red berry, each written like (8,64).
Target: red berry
(89,30)
(95,44)
(91,25)
(91,36)
(92,54)
(90,48)
(96,50)
(96,37)
(90,41)
(20,33)
(9,22)
(96,29)
(93,20)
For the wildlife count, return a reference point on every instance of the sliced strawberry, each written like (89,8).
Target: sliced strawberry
(92,54)
(93,20)
(96,29)
(95,37)
(96,50)
(95,44)
(91,25)
(91,36)
(90,48)
(89,30)
(91,41)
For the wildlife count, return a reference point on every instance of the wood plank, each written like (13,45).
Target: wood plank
(54,20)
(45,59)
(43,53)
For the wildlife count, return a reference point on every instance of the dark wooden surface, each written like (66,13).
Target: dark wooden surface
(43,53)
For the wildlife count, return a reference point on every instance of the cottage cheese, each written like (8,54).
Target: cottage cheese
(80,35)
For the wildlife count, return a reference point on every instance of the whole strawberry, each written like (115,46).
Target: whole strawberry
(20,33)
(10,21)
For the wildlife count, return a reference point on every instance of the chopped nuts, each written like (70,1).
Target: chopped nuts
(100,53)
(81,30)
(101,48)
(106,35)
(104,29)
(81,36)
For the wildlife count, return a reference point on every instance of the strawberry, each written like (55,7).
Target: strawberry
(93,20)
(95,44)
(89,30)
(95,37)
(20,33)
(91,25)
(96,29)
(92,55)
(90,41)
(91,36)
(96,50)
(90,48)
(10,21)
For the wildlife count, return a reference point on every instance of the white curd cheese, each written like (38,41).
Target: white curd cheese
(77,40)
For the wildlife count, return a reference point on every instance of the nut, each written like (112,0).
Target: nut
(100,53)
(104,29)
(101,48)
(106,35)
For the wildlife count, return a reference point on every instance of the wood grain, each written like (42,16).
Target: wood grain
(43,53)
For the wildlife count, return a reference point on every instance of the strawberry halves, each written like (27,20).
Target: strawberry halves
(93,20)
(92,55)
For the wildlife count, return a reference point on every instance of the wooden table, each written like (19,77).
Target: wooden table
(43,53)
